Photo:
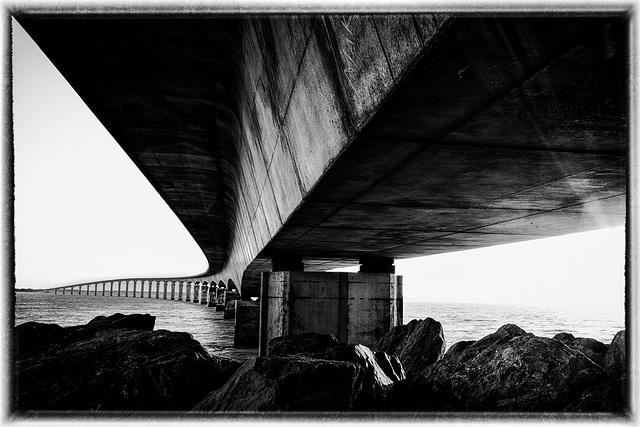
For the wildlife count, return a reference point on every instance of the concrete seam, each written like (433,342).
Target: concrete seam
(559,179)
(499,222)
(384,50)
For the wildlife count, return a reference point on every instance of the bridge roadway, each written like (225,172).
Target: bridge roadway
(318,141)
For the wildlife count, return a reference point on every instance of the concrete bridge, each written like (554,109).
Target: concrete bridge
(290,145)
(186,289)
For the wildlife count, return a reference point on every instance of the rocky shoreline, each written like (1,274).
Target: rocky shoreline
(119,363)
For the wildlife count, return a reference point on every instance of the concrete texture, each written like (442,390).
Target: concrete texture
(338,137)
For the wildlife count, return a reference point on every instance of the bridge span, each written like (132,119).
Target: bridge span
(292,144)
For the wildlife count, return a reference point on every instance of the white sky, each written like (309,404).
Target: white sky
(83,211)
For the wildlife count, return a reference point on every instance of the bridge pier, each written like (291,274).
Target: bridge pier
(164,289)
(187,295)
(173,290)
(196,291)
(204,289)
(357,308)
(230,305)
(95,289)
(180,288)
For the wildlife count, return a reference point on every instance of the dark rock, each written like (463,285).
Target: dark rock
(307,342)
(417,344)
(593,349)
(117,369)
(33,336)
(599,397)
(291,383)
(615,359)
(382,371)
(565,337)
(457,348)
(509,370)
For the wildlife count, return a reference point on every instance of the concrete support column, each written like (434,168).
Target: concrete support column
(221,299)
(87,289)
(126,288)
(358,308)
(134,288)
(95,289)
(230,305)
(157,289)
(212,296)
(204,293)
(187,296)
(173,290)
(55,291)
(110,289)
(150,284)
(196,292)
(63,291)
(164,289)
(247,323)
(104,285)
(119,288)
(180,289)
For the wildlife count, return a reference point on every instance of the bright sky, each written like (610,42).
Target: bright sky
(84,212)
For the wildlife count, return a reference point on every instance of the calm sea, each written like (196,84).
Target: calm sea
(460,321)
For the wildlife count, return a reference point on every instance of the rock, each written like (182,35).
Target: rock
(300,344)
(509,370)
(117,369)
(417,344)
(615,359)
(593,349)
(600,397)
(457,348)
(291,383)
(382,371)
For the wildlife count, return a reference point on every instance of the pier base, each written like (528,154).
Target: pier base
(247,323)
(357,308)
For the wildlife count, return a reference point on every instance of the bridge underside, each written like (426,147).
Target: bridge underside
(505,130)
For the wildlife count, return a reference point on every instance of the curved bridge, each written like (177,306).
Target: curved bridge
(196,290)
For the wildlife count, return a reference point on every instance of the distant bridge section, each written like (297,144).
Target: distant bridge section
(196,290)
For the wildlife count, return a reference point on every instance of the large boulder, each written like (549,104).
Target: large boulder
(304,343)
(96,367)
(417,344)
(593,349)
(509,370)
(290,383)
(382,372)
(615,359)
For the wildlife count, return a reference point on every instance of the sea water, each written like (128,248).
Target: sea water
(460,321)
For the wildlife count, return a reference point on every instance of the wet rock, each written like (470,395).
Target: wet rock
(593,349)
(307,342)
(509,370)
(615,359)
(96,367)
(417,344)
(290,383)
